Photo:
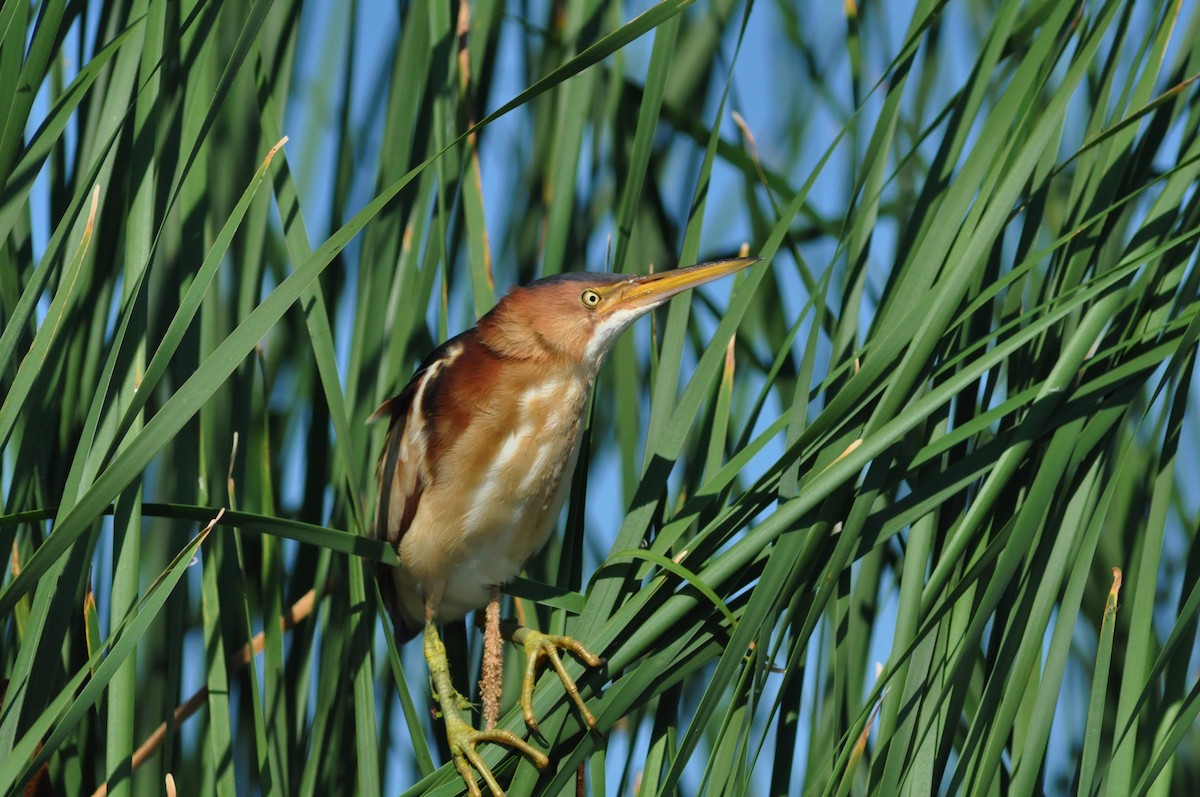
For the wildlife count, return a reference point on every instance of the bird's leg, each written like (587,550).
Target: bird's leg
(540,646)
(459,732)
(491,676)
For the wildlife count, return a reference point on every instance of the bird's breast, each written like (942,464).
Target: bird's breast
(518,455)
(525,459)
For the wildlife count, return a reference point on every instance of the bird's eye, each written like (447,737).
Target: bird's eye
(590,298)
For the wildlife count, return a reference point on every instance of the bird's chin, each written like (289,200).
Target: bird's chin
(607,331)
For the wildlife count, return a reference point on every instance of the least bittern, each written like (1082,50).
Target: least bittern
(478,457)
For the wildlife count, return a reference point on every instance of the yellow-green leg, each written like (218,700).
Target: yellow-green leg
(461,735)
(540,646)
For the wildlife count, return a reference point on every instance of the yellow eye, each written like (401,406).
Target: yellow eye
(590,298)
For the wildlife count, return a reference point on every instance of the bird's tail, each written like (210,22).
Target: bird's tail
(404,627)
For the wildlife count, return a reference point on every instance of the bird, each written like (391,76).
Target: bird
(477,462)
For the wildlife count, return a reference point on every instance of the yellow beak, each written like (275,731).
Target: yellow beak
(654,289)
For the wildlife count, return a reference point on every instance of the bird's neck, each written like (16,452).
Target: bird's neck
(510,339)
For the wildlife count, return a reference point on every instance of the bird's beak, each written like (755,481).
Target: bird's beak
(654,289)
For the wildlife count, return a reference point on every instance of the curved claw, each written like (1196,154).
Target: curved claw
(540,646)
(462,736)
(463,739)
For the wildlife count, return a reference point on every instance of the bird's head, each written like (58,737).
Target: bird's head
(577,317)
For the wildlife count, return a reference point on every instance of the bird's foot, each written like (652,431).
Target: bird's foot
(540,646)
(462,736)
